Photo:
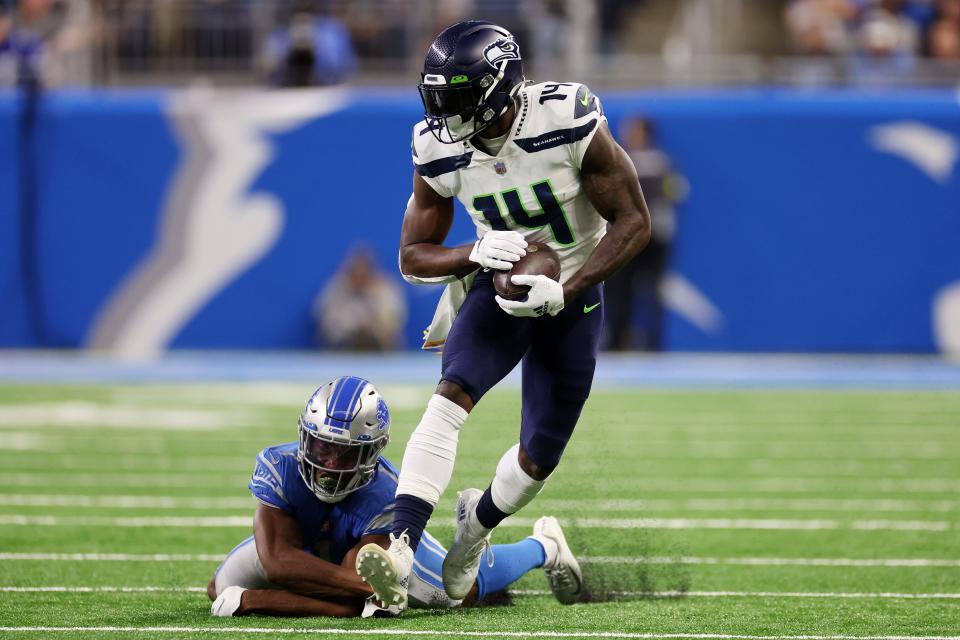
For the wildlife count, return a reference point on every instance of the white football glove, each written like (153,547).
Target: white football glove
(545,296)
(498,250)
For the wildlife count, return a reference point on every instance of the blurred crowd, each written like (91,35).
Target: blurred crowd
(897,29)
(323,42)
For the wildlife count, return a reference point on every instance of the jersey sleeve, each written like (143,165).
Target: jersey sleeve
(266,483)
(588,117)
(437,163)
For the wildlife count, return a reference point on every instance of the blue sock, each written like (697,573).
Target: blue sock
(510,563)
(410,517)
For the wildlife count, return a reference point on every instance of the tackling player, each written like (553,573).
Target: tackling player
(529,162)
(324,497)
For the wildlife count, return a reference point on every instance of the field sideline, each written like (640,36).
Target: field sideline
(738,513)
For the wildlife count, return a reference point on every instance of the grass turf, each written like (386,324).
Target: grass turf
(878,472)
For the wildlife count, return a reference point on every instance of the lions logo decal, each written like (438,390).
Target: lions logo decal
(501,50)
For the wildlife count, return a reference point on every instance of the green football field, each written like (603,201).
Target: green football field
(702,514)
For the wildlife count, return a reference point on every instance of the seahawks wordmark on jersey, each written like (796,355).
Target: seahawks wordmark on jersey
(531,186)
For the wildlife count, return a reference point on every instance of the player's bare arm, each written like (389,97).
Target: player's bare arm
(286,563)
(425,226)
(610,181)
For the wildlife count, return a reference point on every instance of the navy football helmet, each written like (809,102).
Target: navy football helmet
(470,77)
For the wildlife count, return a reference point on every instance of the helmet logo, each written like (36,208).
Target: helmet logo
(432,78)
(501,50)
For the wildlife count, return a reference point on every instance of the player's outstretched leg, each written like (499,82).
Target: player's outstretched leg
(561,566)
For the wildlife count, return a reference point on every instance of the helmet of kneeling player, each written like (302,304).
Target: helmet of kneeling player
(343,429)
(471,75)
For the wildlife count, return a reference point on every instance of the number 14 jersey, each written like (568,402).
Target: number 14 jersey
(533,184)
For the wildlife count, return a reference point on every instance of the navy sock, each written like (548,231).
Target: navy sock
(410,517)
(488,513)
(510,563)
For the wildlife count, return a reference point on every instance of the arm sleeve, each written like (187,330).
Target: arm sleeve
(266,483)
(588,117)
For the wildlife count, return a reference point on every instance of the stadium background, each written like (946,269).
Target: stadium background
(173,220)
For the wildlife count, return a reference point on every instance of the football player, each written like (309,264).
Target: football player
(330,493)
(529,161)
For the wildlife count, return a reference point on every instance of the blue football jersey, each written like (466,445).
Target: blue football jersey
(276,482)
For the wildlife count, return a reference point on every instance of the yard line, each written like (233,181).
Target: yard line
(763,594)
(459,634)
(773,562)
(586,523)
(538,592)
(124,502)
(115,557)
(87,415)
(591,504)
(668,560)
(845,505)
(482,634)
(704,484)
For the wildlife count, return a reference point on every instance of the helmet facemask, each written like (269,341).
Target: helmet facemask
(335,468)
(343,429)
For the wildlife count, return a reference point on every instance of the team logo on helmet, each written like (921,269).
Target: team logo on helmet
(503,49)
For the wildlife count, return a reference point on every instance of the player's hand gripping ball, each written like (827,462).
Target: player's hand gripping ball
(532,287)
(498,249)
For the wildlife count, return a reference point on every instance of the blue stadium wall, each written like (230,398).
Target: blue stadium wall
(826,221)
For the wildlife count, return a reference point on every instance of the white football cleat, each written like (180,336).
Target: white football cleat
(227,602)
(462,564)
(561,566)
(387,571)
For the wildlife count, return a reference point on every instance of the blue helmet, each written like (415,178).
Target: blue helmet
(470,77)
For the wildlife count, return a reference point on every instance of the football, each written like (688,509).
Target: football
(540,260)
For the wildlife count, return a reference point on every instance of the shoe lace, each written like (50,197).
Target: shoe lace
(402,541)
(487,549)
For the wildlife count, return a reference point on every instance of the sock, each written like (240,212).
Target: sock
(511,562)
(410,516)
(427,466)
(511,490)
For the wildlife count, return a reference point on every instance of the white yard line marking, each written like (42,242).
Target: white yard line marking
(115,557)
(589,523)
(764,594)
(106,521)
(754,504)
(457,634)
(774,562)
(125,502)
(583,505)
(110,416)
(207,480)
(538,592)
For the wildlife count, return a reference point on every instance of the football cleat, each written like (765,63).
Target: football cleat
(561,566)
(227,602)
(462,563)
(387,571)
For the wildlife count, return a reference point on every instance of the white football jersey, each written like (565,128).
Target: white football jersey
(533,184)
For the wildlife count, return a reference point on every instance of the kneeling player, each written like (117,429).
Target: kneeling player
(324,497)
